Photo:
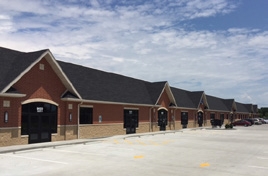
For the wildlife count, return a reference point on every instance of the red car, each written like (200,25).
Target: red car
(241,123)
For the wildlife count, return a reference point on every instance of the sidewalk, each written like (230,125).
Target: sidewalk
(17,148)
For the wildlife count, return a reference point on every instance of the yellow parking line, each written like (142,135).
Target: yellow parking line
(204,164)
(127,141)
(138,156)
(116,141)
(154,143)
(142,143)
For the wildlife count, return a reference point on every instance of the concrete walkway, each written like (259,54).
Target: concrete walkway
(14,148)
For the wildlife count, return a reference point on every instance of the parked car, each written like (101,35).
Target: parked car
(241,123)
(263,121)
(266,120)
(250,120)
(257,121)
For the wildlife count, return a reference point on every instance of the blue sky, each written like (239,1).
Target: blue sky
(219,46)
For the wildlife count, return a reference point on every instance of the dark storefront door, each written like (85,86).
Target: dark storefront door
(131,126)
(40,130)
(39,121)
(131,122)
(200,119)
(162,119)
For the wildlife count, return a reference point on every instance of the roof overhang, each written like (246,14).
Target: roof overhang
(234,108)
(185,108)
(15,95)
(204,98)
(81,101)
(55,66)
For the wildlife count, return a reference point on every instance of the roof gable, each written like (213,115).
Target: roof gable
(255,108)
(15,64)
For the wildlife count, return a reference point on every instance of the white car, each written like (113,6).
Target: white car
(257,121)
(265,120)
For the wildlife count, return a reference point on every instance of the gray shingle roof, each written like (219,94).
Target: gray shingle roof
(216,103)
(98,85)
(229,104)
(183,98)
(255,108)
(249,107)
(241,108)
(154,89)
(196,97)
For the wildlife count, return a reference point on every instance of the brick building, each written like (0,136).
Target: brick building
(43,100)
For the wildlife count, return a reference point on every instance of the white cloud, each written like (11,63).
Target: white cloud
(144,41)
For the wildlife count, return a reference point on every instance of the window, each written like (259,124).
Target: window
(222,116)
(212,116)
(184,117)
(86,115)
(131,117)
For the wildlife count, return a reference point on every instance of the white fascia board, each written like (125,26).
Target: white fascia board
(213,110)
(16,95)
(204,99)
(185,108)
(234,106)
(55,66)
(106,102)
(170,95)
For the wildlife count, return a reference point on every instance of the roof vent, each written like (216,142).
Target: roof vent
(41,66)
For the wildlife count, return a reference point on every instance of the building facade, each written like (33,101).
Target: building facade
(43,100)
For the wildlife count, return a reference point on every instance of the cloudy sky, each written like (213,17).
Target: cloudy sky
(219,46)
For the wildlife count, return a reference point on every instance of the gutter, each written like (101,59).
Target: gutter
(12,95)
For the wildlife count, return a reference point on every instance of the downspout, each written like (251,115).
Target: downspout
(175,118)
(66,116)
(78,118)
(150,119)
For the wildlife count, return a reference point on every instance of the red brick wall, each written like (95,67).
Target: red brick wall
(13,112)
(191,114)
(38,83)
(164,100)
(112,113)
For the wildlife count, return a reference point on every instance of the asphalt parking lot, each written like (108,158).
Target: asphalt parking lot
(210,152)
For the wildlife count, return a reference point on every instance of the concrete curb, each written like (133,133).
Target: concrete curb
(19,148)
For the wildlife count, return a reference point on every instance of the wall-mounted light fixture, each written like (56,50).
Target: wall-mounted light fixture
(70,117)
(100,118)
(6,117)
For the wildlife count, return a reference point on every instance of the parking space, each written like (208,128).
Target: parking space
(242,151)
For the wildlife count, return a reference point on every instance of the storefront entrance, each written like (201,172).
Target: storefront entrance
(162,119)
(39,121)
(131,120)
